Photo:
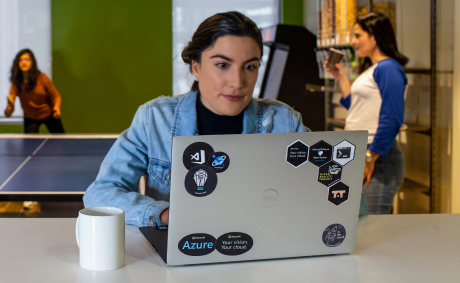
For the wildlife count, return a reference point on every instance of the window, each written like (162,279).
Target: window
(23,24)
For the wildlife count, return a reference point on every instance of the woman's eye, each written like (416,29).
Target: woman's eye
(251,67)
(222,65)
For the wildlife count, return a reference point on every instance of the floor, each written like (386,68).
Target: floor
(41,209)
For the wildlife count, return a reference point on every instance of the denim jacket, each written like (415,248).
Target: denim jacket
(145,149)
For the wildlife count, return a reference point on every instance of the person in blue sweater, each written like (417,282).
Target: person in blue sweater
(375,102)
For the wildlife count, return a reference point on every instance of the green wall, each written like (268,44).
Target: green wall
(292,12)
(109,57)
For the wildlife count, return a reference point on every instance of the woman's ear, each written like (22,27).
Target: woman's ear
(196,67)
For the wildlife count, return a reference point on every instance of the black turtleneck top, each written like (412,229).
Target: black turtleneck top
(210,123)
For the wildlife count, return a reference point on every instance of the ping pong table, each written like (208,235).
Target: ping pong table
(50,167)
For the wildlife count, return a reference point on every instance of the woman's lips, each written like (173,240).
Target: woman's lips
(232,98)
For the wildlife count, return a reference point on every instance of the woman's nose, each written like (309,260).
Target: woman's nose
(237,79)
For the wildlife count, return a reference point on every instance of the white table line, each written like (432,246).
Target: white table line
(15,172)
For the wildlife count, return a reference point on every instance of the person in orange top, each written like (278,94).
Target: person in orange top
(39,98)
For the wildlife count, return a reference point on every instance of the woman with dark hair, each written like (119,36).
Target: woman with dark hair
(224,56)
(39,98)
(375,102)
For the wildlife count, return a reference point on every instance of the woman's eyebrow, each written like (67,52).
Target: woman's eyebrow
(231,60)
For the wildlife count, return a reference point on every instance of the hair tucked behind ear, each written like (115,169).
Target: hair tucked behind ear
(379,26)
(222,24)
(17,78)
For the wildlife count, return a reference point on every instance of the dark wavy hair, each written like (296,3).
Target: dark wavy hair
(222,24)
(17,77)
(379,26)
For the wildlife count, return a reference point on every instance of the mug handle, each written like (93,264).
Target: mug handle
(77,230)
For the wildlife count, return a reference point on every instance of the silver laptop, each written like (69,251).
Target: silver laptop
(262,196)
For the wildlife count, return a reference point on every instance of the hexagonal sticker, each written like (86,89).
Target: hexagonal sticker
(338,193)
(344,152)
(320,153)
(330,173)
(297,153)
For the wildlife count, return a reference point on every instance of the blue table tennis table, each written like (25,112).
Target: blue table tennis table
(50,167)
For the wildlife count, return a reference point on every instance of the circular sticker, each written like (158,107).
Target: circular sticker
(196,154)
(200,181)
(197,244)
(219,161)
(234,243)
(334,235)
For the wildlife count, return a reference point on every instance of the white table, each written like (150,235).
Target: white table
(390,248)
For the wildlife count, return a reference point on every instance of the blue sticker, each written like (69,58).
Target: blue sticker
(197,244)
(219,161)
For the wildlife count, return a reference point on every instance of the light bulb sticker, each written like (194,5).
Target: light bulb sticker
(196,154)
(200,181)
(219,161)
(200,178)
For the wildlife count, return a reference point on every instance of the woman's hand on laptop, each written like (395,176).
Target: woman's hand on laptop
(164,216)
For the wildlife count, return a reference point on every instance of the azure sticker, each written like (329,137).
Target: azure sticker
(334,235)
(200,181)
(234,243)
(197,244)
(219,161)
(196,154)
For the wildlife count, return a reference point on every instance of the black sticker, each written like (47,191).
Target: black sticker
(200,181)
(334,235)
(338,193)
(343,152)
(330,173)
(320,153)
(234,243)
(197,244)
(196,154)
(219,161)
(297,153)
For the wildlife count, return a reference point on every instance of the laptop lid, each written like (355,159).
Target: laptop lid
(263,196)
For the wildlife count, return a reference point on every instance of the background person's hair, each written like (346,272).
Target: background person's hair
(379,26)
(222,24)
(17,77)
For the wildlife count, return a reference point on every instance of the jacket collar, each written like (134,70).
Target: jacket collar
(185,117)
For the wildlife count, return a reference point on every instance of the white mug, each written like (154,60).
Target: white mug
(101,238)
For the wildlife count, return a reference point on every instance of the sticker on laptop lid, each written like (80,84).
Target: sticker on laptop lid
(200,181)
(196,154)
(334,235)
(297,153)
(219,161)
(234,243)
(330,173)
(198,244)
(338,193)
(344,152)
(320,153)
